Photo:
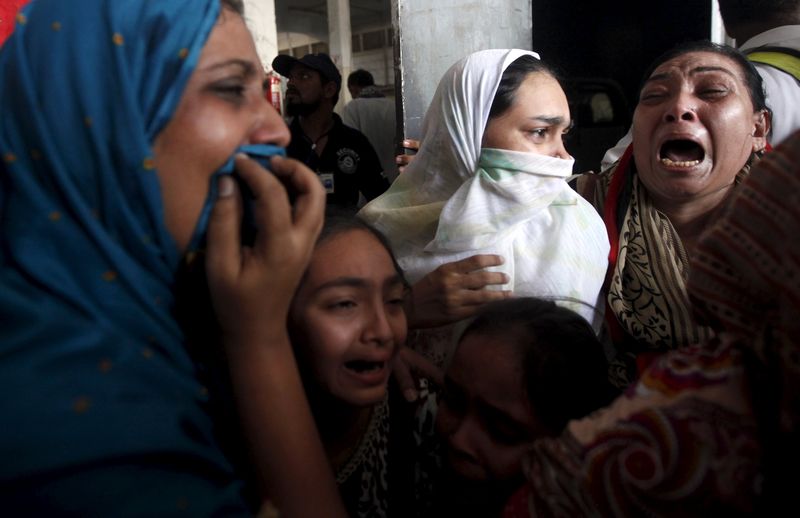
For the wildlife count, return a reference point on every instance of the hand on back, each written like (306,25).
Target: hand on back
(455,291)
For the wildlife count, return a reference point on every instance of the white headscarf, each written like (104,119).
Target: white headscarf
(456,199)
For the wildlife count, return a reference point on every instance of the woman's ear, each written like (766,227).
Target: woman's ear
(761,120)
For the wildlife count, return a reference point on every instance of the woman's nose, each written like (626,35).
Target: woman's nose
(459,435)
(681,108)
(270,127)
(561,150)
(377,328)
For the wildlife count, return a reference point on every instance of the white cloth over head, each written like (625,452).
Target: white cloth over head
(456,199)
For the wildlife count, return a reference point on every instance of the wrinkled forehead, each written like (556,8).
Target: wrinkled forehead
(692,64)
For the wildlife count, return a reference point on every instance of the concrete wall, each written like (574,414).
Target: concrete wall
(260,18)
(718,34)
(312,20)
(431,36)
(378,62)
(289,40)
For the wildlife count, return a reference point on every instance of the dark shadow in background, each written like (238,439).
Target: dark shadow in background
(611,40)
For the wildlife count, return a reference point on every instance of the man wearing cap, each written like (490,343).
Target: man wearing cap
(342,156)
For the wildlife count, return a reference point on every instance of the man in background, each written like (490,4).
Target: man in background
(373,114)
(342,156)
(359,80)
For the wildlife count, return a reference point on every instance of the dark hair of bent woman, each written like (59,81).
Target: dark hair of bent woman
(564,366)
(564,374)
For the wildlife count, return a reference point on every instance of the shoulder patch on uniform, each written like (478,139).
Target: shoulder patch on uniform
(347,160)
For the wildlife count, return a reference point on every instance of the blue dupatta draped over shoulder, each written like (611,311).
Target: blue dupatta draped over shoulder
(102,410)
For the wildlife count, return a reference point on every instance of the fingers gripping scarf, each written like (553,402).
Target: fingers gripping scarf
(456,199)
(91,360)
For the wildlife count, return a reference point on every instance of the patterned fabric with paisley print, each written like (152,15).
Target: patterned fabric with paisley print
(648,308)
(709,429)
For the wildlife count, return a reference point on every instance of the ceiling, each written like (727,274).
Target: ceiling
(311,16)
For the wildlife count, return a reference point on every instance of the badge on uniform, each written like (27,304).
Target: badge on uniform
(327,182)
(347,160)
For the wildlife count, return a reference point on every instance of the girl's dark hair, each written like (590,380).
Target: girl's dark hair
(564,369)
(752,79)
(512,77)
(337,222)
(236,6)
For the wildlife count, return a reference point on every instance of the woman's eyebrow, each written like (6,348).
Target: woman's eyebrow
(394,280)
(697,70)
(553,120)
(499,415)
(702,69)
(247,66)
(356,282)
(657,77)
(353,282)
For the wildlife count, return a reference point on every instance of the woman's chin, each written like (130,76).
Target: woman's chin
(364,397)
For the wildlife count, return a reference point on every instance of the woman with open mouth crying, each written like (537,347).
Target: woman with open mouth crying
(700,123)
(347,324)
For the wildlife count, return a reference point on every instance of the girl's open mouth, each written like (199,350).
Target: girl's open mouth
(363,366)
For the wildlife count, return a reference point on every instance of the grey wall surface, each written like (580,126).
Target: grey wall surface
(432,35)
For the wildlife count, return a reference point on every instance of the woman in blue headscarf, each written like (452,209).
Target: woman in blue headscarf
(120,120)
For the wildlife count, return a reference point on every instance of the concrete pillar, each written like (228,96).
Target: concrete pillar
(431,36)
(717,31)
(260,18)
(340,44)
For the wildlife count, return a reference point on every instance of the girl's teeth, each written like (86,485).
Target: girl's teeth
(673,163)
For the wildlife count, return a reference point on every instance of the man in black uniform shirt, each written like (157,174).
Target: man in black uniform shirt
(342,156)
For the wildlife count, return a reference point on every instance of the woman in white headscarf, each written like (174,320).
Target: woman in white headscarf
(491,178)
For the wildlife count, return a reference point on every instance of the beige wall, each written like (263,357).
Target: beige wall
(260,18)
(434,35)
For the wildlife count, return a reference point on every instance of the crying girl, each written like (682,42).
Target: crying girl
(347,325)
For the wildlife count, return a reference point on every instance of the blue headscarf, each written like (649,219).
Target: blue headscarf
(102,410)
